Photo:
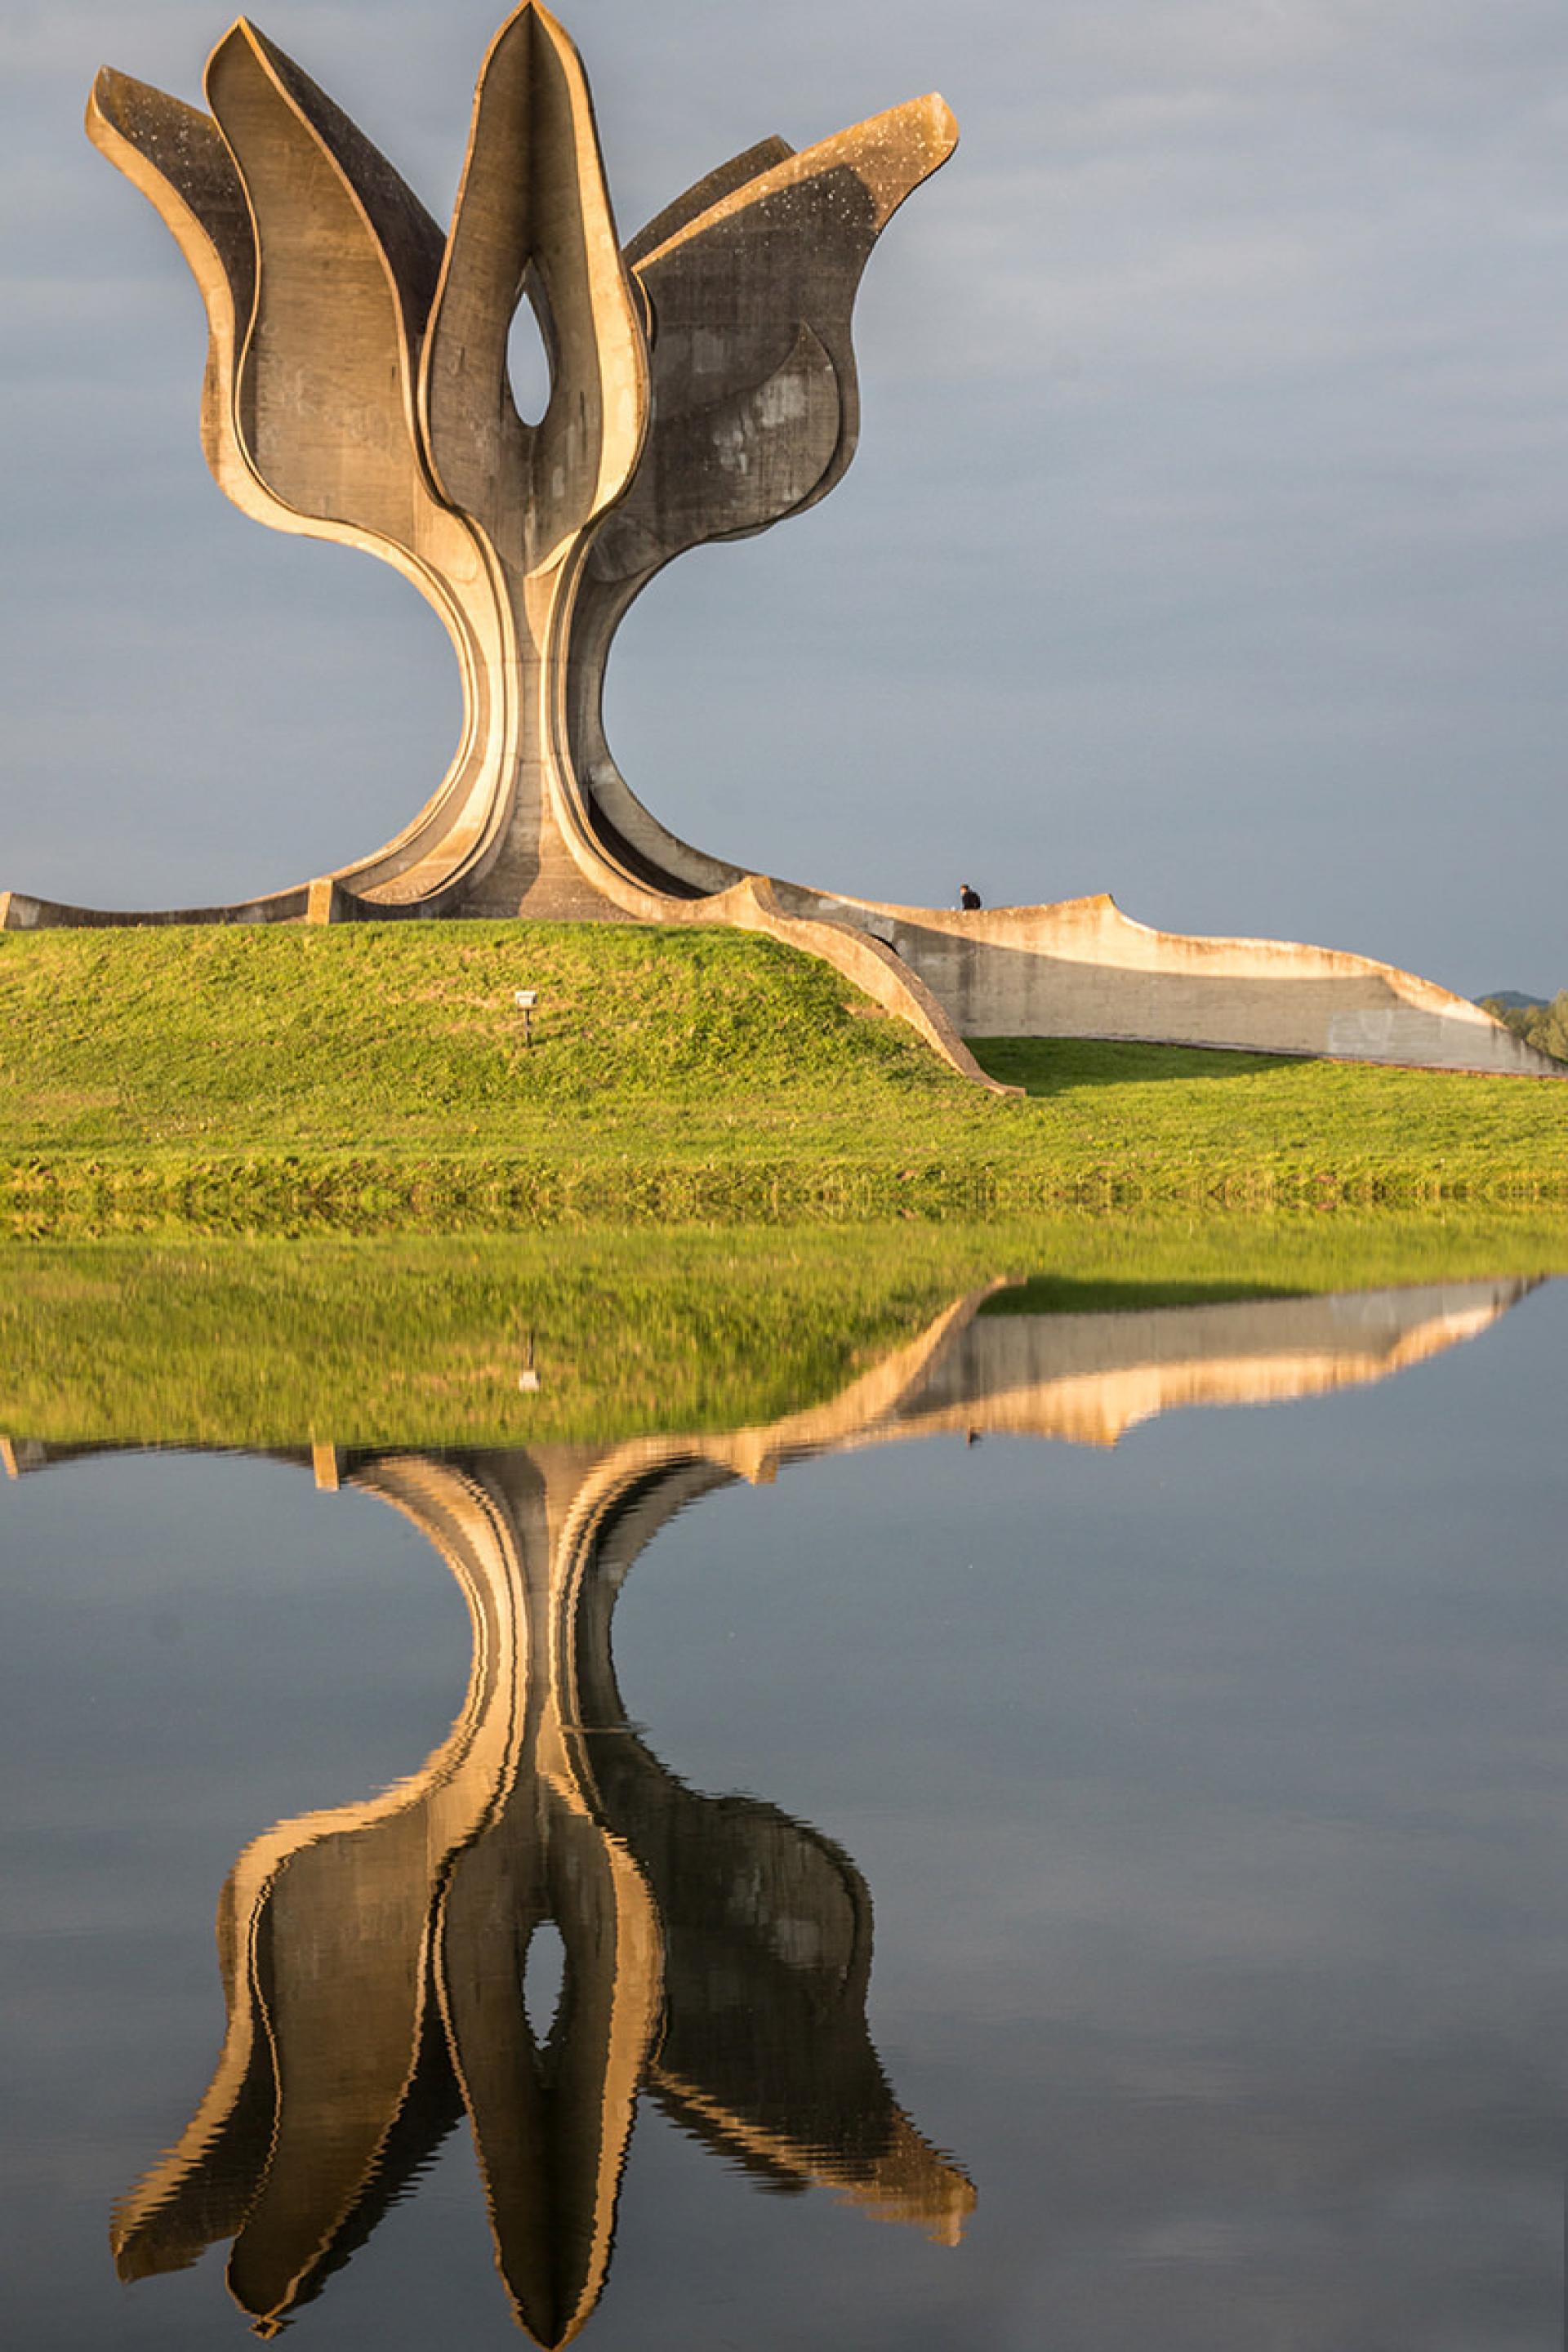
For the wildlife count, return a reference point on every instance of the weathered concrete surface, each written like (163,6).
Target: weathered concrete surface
(21,912)
(703,387)
(1083,969)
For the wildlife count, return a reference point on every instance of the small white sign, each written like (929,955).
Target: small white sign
(525,999)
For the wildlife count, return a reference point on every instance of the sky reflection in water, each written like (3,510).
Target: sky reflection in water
(1208,1789)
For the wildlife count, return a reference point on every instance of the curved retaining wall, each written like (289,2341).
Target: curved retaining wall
(1082,969)
(19,912)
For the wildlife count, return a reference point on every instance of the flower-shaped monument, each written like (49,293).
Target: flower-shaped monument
(703,387)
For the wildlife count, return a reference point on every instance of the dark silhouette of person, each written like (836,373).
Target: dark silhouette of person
(968,897)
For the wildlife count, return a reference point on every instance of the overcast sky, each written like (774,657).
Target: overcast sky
(1207,542)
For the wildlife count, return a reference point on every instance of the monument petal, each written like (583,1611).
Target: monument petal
(324,390)
(178,158)
(533,220)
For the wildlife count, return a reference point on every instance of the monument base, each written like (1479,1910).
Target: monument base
(1077,968)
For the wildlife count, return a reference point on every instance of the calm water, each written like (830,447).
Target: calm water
(1004,1887)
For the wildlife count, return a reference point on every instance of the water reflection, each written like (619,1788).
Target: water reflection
(378,1960)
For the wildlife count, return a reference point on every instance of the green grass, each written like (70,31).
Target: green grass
(413,1341)
(374,1076)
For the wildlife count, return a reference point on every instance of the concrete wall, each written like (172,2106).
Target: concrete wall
(1081,969)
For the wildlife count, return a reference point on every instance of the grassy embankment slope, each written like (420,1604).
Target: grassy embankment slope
(255,1079)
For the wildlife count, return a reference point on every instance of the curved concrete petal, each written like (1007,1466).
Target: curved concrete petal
(325,392)
(730,288)
(727,467)
(533,216)
(755,397)
(177,157)
(386,249)
(703,193)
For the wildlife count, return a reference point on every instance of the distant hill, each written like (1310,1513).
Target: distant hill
(1542,1025)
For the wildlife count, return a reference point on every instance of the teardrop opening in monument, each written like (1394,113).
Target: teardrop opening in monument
(528,363)
(543,1978)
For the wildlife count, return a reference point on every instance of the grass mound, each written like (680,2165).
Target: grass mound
(408,1034)
(376,1075)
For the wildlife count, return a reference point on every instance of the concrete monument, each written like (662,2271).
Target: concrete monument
(703,387)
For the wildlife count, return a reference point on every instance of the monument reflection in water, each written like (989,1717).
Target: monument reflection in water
(376,1959)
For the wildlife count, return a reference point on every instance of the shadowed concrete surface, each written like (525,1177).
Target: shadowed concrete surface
(703,387)
(717,1952)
